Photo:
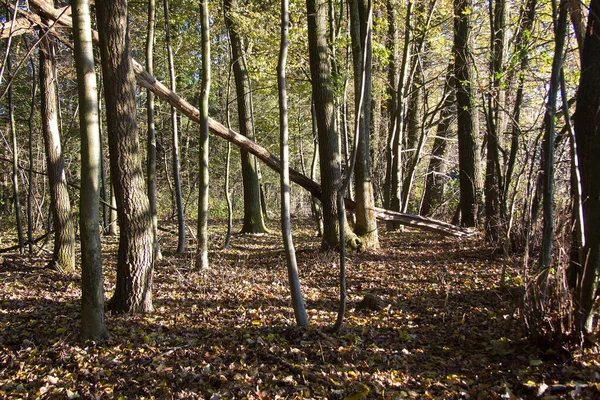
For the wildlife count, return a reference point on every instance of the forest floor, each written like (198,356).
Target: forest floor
(446,327)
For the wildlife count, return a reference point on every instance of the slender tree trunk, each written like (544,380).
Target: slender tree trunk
(175,137)
(587,131)
(467,148)
(435,179)
(63,257)
(286,226)
(392,103)
(548,145)
(103,181)
(151,147)
(494,196)
(366,223)
(133,292)
(316,204)
(15,161)
(113,220)
(30,198)
(253,216)
(92,289)
(202,252)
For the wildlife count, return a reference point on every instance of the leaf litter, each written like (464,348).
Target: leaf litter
(443,327)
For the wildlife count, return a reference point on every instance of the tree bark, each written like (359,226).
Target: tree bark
(366,223)
(30,176)
(133,292)
(253,216)
(92,289)
(467,148)
(63,256)
(202,251)
(587,132)
(329,141)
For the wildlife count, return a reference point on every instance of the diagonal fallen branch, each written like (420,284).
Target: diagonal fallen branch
(147,81)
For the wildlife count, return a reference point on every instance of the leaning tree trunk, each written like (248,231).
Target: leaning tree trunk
(202,252)
(587,132)
(133,292)
(63,257)
(175,137)
(253,216)
(92,289)
(366,223)
(467,148)
(329,142)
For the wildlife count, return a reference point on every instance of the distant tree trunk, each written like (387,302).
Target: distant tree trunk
(316,204)
(329,141)
(92,289)
(435,179)
(15,162)
(63,257)
(114,223)
(133,292)
(151,147)
(548,145)
(175,137)
(202,252)
(366,223)
(253,216)
(103,181)
(30,173)
(392,103)
(587,131)
(286,226)
(467,148)
(494,196)
(400,123)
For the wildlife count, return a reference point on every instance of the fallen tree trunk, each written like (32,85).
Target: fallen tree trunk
(147,81)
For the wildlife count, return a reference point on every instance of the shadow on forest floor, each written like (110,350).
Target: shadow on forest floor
(445,329)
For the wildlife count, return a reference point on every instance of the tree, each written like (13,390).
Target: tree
(253,216)
(202,252)
(175,136)
(366,223)
(63,256)
(151,148)
(133,292)
(587,132)
(286,229)
(92,289)
(329,141)
(467,149)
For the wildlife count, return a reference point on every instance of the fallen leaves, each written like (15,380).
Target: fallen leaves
(443,328)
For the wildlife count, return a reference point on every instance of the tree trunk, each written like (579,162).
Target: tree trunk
(467,148)
(435,180)
(587,131)
(175,137)
(253,216)
(30,198)
(392,103)
(202,251)
(329,141)
(494,195)
(63,257)
(151,146)
(548,145)
(92,289)
(133,292)
(286,226)
(366,223)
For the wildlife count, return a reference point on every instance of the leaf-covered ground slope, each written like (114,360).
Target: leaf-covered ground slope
(442,327)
